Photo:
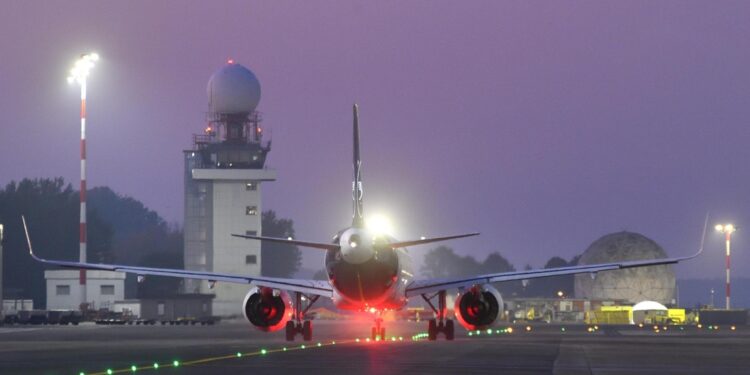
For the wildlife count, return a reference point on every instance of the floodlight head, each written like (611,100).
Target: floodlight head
(82,67)
(726,228)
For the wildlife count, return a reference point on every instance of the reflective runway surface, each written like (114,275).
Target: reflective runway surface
(236,348)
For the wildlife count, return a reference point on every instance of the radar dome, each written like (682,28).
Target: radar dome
(655,283)
(233,89)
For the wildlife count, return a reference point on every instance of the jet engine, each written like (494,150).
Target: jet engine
(267,309)
(478,307)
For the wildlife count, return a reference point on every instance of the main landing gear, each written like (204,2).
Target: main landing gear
(440,324)
(299,325)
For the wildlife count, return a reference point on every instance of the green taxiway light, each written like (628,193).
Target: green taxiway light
(489,331)
(562,329)
(470,334)
(156,365)
(319,344)
(109,371)
(175,363)
(133,368)
(285,348)
(81,373)
(239,354)
(302,346)
(263,351)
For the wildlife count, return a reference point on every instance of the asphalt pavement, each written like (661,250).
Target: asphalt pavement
(341,347)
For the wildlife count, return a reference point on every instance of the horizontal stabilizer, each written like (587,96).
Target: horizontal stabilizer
(316,245)
(396,245)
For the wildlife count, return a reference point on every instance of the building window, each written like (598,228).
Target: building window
(251,210)
(160,309)
(251,186)
(251,232)
(62,290)
(251,259)
(107,290)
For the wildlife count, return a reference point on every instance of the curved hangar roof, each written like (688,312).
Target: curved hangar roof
(633,285)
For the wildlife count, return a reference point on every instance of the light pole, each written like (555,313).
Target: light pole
(727,229)
(79,74)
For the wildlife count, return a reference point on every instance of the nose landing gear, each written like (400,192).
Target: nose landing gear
(378,331)
(440,324)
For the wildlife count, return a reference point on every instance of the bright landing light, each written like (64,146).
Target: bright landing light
(380,224)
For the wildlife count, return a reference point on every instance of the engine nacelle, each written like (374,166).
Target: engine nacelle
(478,307)
(267,309)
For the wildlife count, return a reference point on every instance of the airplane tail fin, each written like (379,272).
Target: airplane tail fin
(358,220)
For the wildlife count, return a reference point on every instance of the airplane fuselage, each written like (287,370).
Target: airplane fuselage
(366,273)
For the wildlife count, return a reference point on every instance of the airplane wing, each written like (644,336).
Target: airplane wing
(433,285)
(316,287)
(418,287)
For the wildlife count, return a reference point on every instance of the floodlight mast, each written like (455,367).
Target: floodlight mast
(79,74)
(727,229)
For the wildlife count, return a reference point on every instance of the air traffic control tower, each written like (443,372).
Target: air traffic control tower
(224,172)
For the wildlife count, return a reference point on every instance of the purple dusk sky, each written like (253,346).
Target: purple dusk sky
(543,125)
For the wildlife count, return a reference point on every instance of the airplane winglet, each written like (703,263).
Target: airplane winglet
(703,237)
(28,239)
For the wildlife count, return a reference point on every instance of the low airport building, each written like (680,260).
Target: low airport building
(65,291)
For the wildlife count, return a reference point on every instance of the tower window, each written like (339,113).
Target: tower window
(62,290)
(251,210)
(251,259)
(251,186)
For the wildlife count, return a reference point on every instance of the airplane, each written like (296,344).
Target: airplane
(367,271)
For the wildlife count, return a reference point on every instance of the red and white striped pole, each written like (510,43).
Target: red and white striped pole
(79,74)
(727,229)
(82,221)
(728,242)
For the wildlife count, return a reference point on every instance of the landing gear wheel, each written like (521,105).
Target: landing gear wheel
(449,330)
(307,330)
(291,331)
(432,330)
